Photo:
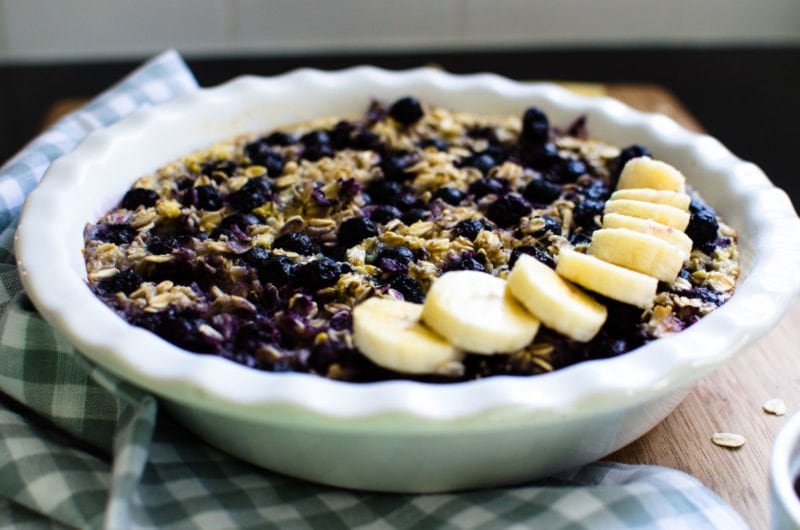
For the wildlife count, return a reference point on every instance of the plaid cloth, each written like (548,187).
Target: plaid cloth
(81,449)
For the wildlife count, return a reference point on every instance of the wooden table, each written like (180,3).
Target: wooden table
(729,400)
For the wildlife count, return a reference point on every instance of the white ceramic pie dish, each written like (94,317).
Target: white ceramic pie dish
(401,436)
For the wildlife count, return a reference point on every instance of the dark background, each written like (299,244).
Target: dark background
(749,98)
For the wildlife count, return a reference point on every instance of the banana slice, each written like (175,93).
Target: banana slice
(390,334)
(652,228)
(677,199)
(644,172)
(660,213)
(613,281)
(637,251)
(473,311)
(558,304)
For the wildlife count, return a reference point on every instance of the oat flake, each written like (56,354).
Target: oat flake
(775,406)
(728,439)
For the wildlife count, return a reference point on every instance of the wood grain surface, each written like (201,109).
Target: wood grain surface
(729,400)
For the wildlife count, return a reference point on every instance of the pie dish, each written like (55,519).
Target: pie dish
(400,435)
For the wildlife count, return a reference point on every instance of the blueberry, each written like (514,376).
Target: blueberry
(354,230)
(260,153)
(408,287)
(256,256)
(551,226)
(567,170)
(295,242)
(119,234)
(253,194)
(162,244)
(585,212)
(468,261)
(340,134)
(318,274)
(227,167)
(508,210)
(400,254)
(317,145)
(630,152)
(485,186)
(407,110)
(469,228)
(535,126)
(383,191)
(436,143)
(541,191)
(239,220)
(451,196)
(183,330)
(579,238)
(482,161)
(539,156)
(385,213)
(206,197)
(406,199)
(413,215)
(596,190)
(125,281)
(394,165)
(277,270)
(703,225)
(367,141)
(532,251)
(139,197)
(279,138)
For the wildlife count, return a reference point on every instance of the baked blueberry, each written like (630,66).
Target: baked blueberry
(382,191)
(139,197)
(703,225)
(413,215)
(125,281)
(539,156)
(630,152)
(295,242)
(394,165)
(532,251)
(206,197)
(567,170)
(318,274)
(280,139)
(485,186)
(586,211)
(385,213)
(340,134)
(449,195)
(483,162)
(317,145)
(508,210)
(407,110)
(551,226)
(467,261)
(535,126)
(275,269)
(469,228)
(408,287)
(253,194)
(541,191)
(119,234)
(354,230)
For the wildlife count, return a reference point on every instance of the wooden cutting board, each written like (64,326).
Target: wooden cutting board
(730,400)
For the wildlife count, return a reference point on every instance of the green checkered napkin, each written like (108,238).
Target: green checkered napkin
(80,449)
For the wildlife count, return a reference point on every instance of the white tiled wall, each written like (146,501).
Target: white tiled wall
(56,29)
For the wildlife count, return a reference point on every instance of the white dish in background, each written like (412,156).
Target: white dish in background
(401,435)
(784,470)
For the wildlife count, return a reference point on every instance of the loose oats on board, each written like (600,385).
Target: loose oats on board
(776,407)
(728,439)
